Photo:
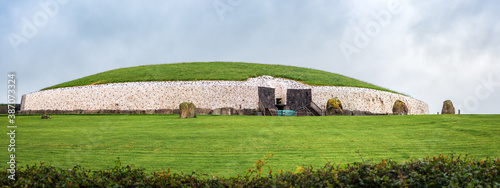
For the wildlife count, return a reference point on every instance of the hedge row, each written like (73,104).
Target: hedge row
(462,171)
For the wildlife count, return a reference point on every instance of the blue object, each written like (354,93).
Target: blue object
(286,113)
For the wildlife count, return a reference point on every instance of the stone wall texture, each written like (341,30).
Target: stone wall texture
(240,95)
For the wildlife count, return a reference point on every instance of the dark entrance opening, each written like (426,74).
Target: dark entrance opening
(279,104)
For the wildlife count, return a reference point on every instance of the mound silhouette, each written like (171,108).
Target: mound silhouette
(235,71)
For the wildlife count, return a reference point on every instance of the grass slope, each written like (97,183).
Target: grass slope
(228,145)
(216,71)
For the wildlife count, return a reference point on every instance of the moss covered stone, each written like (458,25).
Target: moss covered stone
(448,107)
(399,108)
(334,107)
(187,110)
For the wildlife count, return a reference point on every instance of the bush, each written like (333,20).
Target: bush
(427,172)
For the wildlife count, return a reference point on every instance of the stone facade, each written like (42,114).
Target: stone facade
(164,97)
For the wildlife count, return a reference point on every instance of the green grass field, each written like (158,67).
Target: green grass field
(228,145)
(216,71)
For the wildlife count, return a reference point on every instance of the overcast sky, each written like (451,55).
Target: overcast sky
(430,50)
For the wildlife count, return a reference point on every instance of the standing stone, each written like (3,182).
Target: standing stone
(187,110)
(448,107)
(399,108)
(334,107)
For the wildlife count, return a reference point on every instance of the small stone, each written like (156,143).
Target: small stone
(399,108)
(448,107)
(334,107)
(45,116)
(187,110)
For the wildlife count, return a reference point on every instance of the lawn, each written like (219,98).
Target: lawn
(228,145)
(216,71)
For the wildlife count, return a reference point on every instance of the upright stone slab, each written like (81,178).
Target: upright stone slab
(399,108)
(266,97)
(298,98)
(448,107)
(334,107)
(187,110)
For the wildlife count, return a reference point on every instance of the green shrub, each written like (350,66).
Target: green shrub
(427,172)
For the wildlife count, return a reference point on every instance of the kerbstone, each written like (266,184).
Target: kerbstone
(334,107)
(399,108)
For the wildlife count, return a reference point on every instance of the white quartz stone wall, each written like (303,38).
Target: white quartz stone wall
(363,99)
(143,96)
(207,94)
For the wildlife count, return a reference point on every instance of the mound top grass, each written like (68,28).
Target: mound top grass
(233,71)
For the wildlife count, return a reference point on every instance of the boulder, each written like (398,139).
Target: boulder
(203,111)
(149,111)
(187,110)
(225,111)
(448,107)
(246,111)
(45,116)
(334,107)
(163,111)
(399,108)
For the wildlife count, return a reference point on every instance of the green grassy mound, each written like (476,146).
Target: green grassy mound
(216,71)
